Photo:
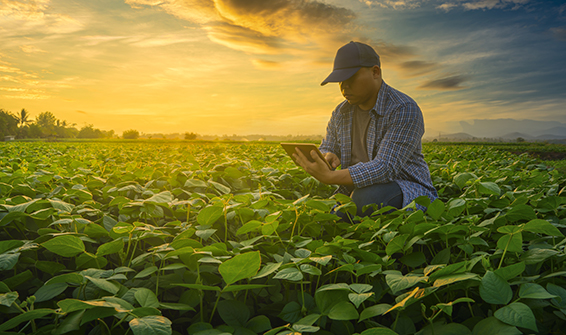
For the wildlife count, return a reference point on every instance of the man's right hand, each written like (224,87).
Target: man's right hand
(332,159)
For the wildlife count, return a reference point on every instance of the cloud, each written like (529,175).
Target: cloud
(446,83)
(395,4)
(266,64)
(24,10)
(416,68)
(81,112)
(265,27)
(484,4)
(29,49)
(559,33)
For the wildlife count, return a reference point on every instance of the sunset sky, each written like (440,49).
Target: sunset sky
(255,66)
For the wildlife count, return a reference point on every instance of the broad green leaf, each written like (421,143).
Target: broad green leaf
(451,269)
(268,269)
(494,289)
(291,312)
(70,323)
(435,209)
(222,188)
(147,272)
(396,244)
(445,329)
(358,298)
(249,227)
(517,314)
(10,245)
(399,282)
(164,197)
(462,178)
(259,324)
(50,267)
(146,298)
(7,299)
(321,260)
(343,310)
(456,206)
(492,326)
(240,267)
(24,317)
(104,284)
(8,261)
(488,188)
(300,328)
(97,313)
(175,306)
(233,312)
(542,227)
(378,331)
(70,278)
(445,280)
(558,291)
(537,255)
(361,288)
(511,271)
(374,310)
(48,292)
(534,291)
(151,325)
(110,247)
(208,215)
(520,212)
(511,242)
(65,245)
(292,274)
(414,259)
(309,269)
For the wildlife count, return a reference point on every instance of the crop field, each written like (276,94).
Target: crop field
(222,238)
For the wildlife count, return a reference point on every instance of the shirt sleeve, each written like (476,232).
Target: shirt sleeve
(405,128)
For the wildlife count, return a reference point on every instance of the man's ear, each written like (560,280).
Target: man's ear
(376,71)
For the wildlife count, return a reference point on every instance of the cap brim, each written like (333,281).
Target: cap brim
(340,75)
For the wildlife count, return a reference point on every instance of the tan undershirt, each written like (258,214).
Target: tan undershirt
(360,124)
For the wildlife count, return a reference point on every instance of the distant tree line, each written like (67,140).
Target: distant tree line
(45,125)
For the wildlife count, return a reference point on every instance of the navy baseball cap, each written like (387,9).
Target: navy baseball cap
(349,59)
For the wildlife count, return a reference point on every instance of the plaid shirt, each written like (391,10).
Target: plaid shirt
(393,145)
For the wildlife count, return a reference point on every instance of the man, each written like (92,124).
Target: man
(375,135)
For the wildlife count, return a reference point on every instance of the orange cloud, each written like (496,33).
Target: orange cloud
(266,27)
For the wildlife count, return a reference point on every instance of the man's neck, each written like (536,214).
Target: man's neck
(369,104)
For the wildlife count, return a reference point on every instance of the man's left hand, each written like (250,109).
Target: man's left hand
(318,169)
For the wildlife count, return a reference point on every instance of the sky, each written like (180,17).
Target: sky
(255,66)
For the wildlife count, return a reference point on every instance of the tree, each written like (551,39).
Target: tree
(47,122)
(23,119)
(89,132)
(190,136)
(8,124)
(131,134)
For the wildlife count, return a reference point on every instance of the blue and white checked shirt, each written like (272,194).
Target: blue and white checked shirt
(393,145)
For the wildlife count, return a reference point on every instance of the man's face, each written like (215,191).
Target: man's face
(362,87)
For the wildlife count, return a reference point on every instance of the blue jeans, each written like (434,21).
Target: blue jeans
(382,195)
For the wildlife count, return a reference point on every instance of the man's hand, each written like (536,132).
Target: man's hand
(320,170)
(332,159)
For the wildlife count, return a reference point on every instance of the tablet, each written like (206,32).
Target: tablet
(306,149)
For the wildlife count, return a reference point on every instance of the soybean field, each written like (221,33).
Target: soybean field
(200,238)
